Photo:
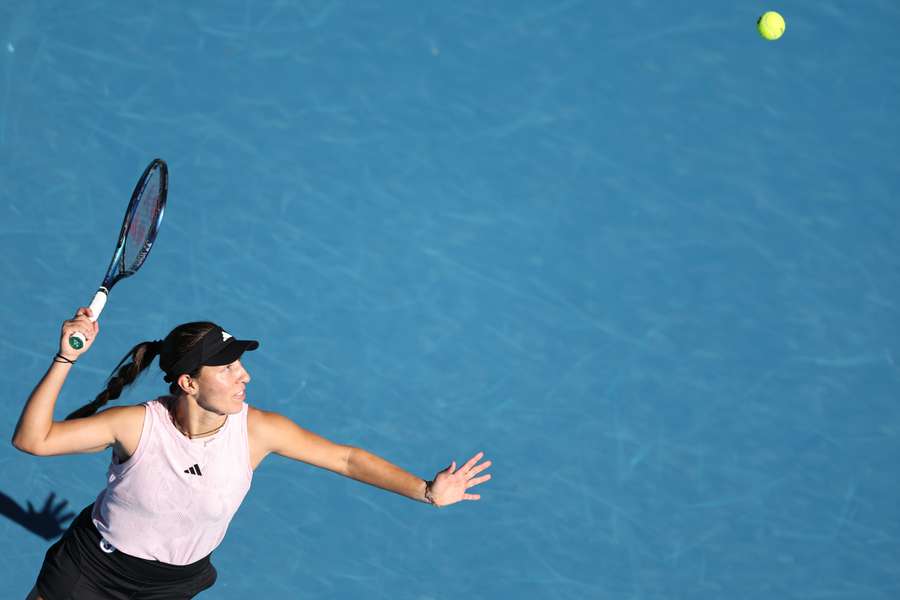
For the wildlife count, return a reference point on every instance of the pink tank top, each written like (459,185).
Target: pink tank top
(173,499)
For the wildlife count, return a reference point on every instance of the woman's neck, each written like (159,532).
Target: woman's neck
(192,420)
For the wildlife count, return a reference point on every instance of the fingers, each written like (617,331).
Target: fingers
(466,475)
(469,469)
(471,462)
(82,316)
(81,323)
(86,315)
(476,470)
(477,480)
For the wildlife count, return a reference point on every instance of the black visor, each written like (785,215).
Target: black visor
(216,347)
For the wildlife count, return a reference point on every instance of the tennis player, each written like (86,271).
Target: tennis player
(181,466)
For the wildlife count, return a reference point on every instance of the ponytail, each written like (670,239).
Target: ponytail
(123,374)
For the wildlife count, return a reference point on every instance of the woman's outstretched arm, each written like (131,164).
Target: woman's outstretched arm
(272,432)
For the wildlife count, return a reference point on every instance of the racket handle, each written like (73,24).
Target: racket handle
(77,340)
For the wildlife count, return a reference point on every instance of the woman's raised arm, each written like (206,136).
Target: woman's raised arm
(36,432)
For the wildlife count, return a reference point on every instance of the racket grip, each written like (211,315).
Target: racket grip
(77,340)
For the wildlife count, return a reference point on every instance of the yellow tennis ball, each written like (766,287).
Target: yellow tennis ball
(771,25)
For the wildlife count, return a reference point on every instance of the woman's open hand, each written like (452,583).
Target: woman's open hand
(451,485)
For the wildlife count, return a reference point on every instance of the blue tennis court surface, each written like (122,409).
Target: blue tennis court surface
(644,259)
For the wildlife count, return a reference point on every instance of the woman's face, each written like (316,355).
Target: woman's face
(221,388)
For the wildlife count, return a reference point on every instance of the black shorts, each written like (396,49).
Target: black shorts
(76,568)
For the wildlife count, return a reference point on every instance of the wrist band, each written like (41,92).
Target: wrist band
(59,358)
(428,497)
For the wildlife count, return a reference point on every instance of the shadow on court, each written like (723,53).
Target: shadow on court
(48,523)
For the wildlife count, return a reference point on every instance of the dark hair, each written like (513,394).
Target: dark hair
(125,373)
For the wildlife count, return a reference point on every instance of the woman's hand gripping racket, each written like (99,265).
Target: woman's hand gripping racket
(139,229)
(81,325)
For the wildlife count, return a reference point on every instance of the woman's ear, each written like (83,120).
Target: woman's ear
(187,384)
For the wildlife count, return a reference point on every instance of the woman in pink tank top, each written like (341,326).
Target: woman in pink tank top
(181,465)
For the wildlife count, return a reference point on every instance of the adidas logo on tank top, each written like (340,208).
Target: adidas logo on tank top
(195,470)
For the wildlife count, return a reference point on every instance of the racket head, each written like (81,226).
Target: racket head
(141,223)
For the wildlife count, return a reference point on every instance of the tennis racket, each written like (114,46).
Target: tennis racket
(139,229)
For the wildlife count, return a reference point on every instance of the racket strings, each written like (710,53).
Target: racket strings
(142,226)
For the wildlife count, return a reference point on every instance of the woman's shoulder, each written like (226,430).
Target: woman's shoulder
(263,423)
(160,405)
(127,423)
(256,416)
(130,417)
(128,412)
(134,414)
(259,434)
(262,415)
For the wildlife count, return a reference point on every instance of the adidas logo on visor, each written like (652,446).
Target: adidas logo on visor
(226,336)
